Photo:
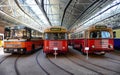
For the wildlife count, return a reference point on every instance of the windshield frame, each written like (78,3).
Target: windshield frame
(100,34)
(56,36)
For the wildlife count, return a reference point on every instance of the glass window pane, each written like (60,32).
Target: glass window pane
(100,34)
(55,36)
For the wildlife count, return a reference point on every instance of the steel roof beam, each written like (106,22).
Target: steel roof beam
(65,11)
(41,6)
(85,11)
(24,11)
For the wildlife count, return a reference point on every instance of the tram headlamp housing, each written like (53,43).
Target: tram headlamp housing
(47,47)
(21,49)
(93,46)
(63,47)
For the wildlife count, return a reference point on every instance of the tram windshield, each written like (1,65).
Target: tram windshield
(55,36)
(100,34)
(22,33)
(17,32)
(14,34)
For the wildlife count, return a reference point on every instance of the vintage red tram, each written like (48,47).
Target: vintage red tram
(21,39)
(95,39)
(55,39)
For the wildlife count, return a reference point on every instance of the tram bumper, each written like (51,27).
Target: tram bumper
(14,50)
(98,50)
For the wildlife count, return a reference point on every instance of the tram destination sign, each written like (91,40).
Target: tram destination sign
(100,27)
(55,29)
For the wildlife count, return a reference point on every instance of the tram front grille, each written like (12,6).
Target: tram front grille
(101,43)
(53,44)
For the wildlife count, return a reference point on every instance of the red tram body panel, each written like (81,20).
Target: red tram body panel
(95,45)
(50,46)
(22,40)
(19,46)
(97,40)
(55,40)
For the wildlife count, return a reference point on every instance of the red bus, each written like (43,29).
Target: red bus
(95,39)
(21,39)
(55,39)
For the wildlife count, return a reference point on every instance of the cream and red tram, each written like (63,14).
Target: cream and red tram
(55,39)
(21,39)
(97,39)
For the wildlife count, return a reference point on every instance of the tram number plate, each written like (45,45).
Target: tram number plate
(55,48)
(86,48)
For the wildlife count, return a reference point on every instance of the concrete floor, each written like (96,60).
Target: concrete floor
(73,63)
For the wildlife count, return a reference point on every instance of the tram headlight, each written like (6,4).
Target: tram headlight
(93,46)
(21,49)
(15,50)
(63,47)
(47,47)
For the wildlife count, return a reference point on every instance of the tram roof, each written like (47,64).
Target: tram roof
(71,14)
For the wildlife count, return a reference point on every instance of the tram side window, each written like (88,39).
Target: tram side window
(77,36)
(72,36)
(80,35)
(18,34)
(45,36)
(24,34)
(7,34)
(33,34)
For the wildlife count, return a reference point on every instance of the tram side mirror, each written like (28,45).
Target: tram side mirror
(114,34)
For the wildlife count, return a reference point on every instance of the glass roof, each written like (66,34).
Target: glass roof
(52,9)
(99,17)
(32,4)
(61,12)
